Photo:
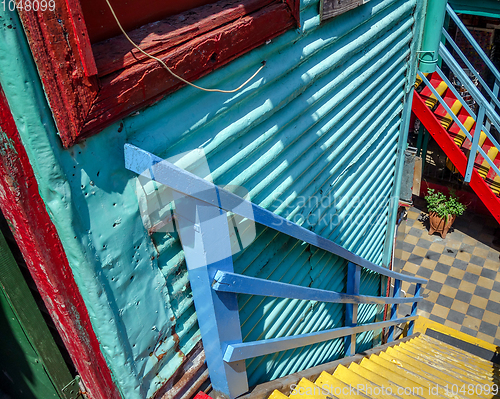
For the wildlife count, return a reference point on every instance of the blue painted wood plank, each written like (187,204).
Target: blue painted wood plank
(247,350)
(351,311)
(220,322)
(418,292)
(394,308)
(237,283)
(149,165)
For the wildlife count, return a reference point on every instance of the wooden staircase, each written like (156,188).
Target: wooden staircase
(449,136)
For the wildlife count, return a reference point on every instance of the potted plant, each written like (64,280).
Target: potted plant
(443,210)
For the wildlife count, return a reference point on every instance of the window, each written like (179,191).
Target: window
(93,76)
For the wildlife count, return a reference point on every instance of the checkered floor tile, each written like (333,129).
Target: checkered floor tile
(463,270)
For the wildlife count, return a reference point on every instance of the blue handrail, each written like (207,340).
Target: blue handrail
(140,161)
(239,284)
(215,285)
(471,40)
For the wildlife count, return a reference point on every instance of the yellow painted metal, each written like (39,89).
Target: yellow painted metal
(355,380)
(458,353)
(421,367)
(306,388)
(379,380)
(456,361)
(437,372)
(439,361)
(422,324)
(337,387)
(431,373)
(432,99)
(401,378)
(428,380)
(277,395)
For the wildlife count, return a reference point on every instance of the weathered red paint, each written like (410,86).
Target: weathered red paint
(143,83)
(202,395)
(117,53)
(42,250)
(83,105)
(457,157)
(82,38)
(132,14)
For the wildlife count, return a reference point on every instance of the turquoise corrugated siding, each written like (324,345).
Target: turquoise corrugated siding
(314,139)
(323,129)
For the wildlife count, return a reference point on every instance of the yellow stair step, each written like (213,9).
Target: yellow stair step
(399,378)
(379,380)
(432,373)
(465,365)
(306,388)
(487,365)
(338,388)
(355,380)
(277,395)
(441,363)
(435,371)
(398,367)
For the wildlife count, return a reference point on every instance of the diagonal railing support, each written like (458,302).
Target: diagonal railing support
(201,216)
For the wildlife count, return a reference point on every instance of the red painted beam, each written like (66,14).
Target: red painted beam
(42,250)
(457,157)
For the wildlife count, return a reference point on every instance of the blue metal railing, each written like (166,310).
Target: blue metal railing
(201,215)
(487,115)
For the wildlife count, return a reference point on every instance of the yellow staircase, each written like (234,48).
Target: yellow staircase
(421,367)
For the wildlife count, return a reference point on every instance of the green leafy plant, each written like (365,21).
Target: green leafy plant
(444,206)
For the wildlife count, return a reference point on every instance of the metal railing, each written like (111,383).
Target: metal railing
(487,115)
(201,215)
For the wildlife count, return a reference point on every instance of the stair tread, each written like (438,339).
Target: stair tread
(466,363)
(440,86)
(381,381)
(365,386)
(338,387)
(419,368)
(456,132)
(442,114)
(425,371)
(441,344)
(441,361)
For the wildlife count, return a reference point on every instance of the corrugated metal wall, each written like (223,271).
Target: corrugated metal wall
(313,138)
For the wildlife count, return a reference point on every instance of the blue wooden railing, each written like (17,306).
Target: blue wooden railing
(487,114)
(201,216)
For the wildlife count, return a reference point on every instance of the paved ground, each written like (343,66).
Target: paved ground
(463,270)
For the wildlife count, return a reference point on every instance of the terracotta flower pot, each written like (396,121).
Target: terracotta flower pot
(437,223)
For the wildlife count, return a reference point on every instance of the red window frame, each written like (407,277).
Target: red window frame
(91,86)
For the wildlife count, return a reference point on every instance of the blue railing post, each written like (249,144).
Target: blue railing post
(496,88)
(394,308)
(418,292)
(475,144)
(203,227)
(351,310)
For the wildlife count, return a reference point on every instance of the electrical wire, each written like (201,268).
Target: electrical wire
(171,72)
